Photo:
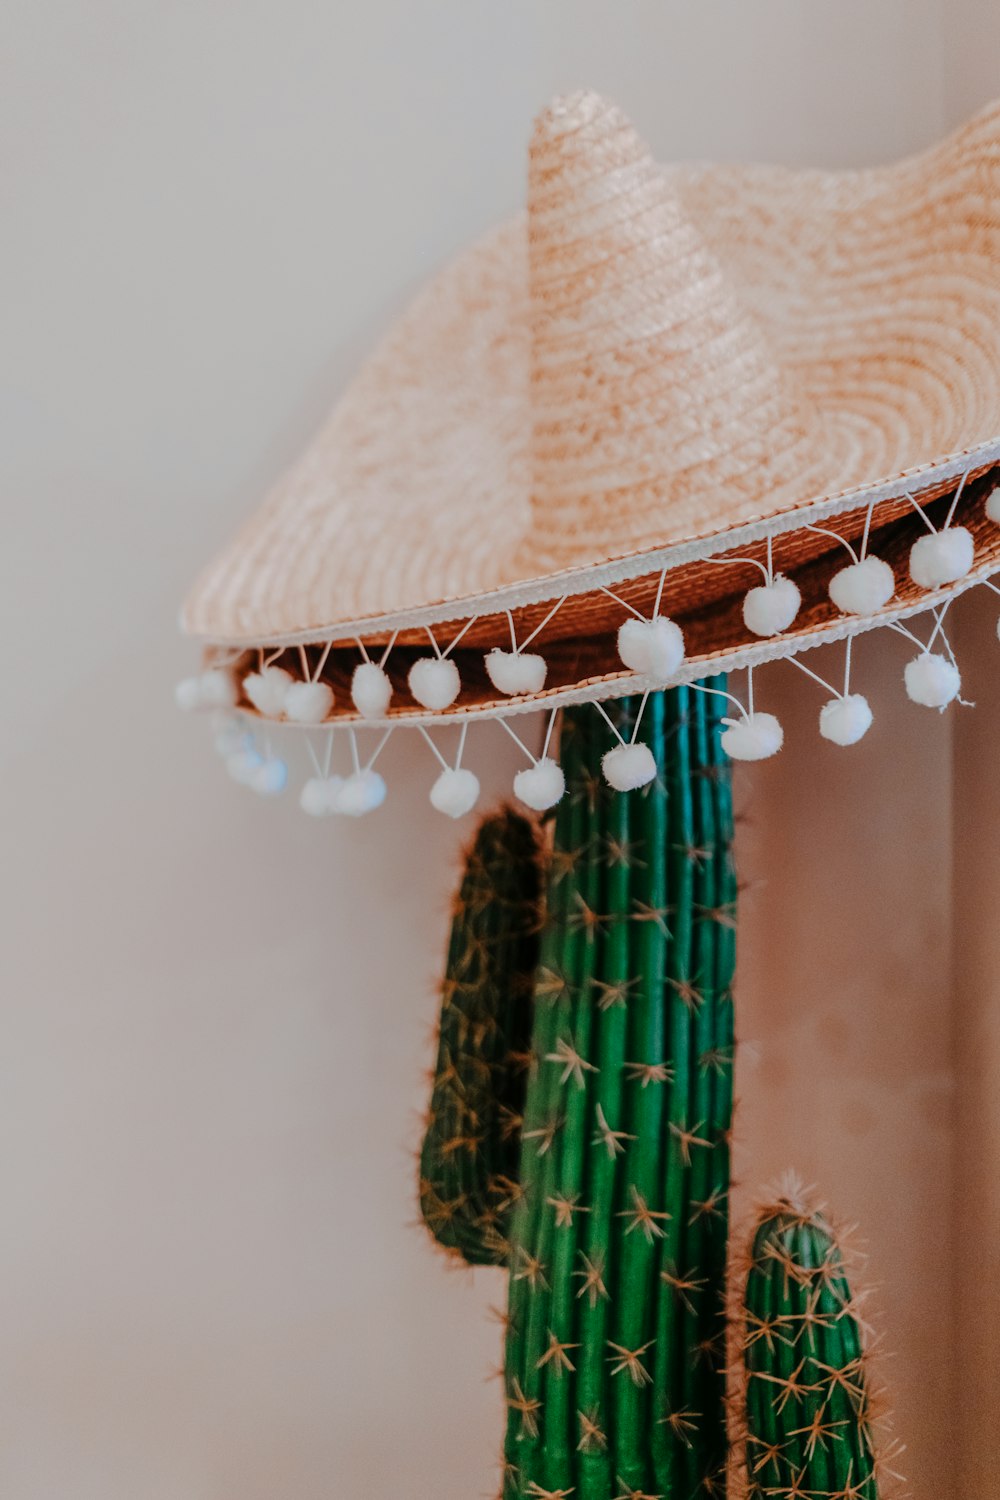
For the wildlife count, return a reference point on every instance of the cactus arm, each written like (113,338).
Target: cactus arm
(471,1144)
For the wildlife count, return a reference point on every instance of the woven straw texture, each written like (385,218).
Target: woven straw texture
(645,357)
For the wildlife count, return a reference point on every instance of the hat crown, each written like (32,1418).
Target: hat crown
(651,385)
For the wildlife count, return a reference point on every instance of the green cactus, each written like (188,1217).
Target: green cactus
(616,1326)
(469,1159)
(808,1401)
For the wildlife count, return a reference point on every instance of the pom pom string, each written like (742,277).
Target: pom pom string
(921,513)
(954,504)
(638,717)
(624,603)
(659,595)
(611,725)
(727,562)
(518,740)
(867,531)
(815,676)
(699,687)
(442,655)
(443,763)
(836,537)
(538,628)
(548,733)
(461,745)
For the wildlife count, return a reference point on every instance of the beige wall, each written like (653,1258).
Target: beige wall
(215,1014)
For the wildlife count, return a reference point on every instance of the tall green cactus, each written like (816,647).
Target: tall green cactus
(614,1352)
(808,1405)
(469,1160)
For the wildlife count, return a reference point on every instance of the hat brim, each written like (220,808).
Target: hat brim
(412,511)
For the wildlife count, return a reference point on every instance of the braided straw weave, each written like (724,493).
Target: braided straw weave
(649,367)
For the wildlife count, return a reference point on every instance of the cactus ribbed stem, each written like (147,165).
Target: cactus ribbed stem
(469,1159)
(808,1407)
(614,1345)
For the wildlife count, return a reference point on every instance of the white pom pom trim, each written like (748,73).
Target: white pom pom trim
(652,648)
(771,607)
(270,778)
(434,682)
(757,736)
(308,702)
(360,793)
(540,786)
(846,720)
(371,690)
(993,504)
(213,688)
(319,795)
(932,680)
(863,588)
(516,673)
(943,557)
(268,690)
(455,792)
(628,767)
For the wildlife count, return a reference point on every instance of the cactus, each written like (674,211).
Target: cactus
(468,1164)
(808,1400)
(616,1326)
(580,1136)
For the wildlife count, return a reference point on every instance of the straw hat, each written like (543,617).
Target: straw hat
(527,495)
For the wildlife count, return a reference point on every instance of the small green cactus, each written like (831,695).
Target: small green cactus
(469,1160)
(616,1326)
(808,1399)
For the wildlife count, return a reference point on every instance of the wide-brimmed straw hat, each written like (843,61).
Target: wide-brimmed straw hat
(651,373)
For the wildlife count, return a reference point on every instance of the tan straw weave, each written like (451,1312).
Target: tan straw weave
(650,367)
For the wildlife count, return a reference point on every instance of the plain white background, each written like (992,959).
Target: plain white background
(215,1014)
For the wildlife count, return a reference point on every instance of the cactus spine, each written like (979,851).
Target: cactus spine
(614,1354)
(808,1405)
(469,1160)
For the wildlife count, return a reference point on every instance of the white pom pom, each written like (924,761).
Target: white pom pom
(371,690)
(653,648)
(270,778)
(187,694)
(516,672)
(845,720)
(942,558)
(998,630)
(455,792)
(629,766)
(267,690)
(434,681)
(756,737)
(771,608)
(931,679)
(993,504)
(863,588)
(541,785)
(218,689)
(243,765)
(319,796)
(360,794)
(230,735)
(308,702)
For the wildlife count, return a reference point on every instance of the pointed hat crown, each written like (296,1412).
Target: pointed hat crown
(651,385)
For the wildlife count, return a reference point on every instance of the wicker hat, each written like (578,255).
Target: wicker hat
(666,423)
